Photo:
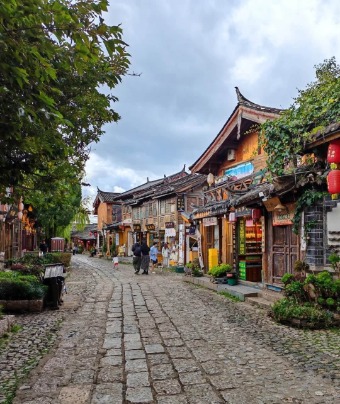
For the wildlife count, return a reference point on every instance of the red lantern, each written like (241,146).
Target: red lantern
(256,214)
(333,181)
(333,155)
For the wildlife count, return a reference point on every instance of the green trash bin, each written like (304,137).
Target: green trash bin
(180,270)
(232,281)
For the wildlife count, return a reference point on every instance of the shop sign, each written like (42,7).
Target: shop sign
(169,225)
(210,221)
(150,227)
(240,212)
(285,217)
(271,203)
(136,227)
(180,203)
(242,237)
(192,230)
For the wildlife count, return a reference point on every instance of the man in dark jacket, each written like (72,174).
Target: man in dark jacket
(137,257)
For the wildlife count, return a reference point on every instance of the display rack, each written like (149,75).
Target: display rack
(250,250)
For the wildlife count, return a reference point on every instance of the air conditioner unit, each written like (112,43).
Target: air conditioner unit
(230,154)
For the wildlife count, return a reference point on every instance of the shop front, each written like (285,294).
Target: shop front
(249,243)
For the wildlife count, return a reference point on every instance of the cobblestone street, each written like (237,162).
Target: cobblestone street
(122,338)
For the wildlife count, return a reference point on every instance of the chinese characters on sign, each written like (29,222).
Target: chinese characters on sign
(180,203)
(285,217)
(242,237)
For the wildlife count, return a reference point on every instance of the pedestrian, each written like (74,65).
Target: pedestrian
(165,255)
(145,258)
(115,261)
(153,255)
(43,247)
(137,257)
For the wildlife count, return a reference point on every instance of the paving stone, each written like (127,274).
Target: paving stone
(139,395)
(109,336)
(167,386)
(140,379)
(75,394)
(154,348)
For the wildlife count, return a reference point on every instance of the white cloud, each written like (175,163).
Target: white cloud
(191,55)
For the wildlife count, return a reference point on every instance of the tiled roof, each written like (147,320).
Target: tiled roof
(104,197)
(233,124)
(149,188)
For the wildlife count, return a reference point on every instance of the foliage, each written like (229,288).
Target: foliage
(308,198)
(56,58)
(334,260)
(295,290)
(287,278)
(220,270)
(314,108)
(285,310)
(20,287)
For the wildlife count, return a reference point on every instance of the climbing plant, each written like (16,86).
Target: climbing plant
(308,198)
(313,109)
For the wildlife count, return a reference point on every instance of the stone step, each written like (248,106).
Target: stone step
(259,301)
(270,296)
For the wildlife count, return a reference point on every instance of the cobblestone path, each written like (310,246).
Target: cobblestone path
(156,339)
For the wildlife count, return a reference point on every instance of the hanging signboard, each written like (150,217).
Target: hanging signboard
(136,227)
(210,221)
(180,203)
(240,212)
(271,203)
(284,217)
(169,225)
(150,227)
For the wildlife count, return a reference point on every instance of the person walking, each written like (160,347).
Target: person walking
(165,255)
(137,257)
(153,255)
(145,258)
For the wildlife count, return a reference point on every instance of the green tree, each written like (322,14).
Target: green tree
(57,56)
(313,109)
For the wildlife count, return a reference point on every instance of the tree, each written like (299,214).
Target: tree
(56,58)
(313,109)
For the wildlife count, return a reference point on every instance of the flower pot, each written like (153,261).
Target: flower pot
(232,281)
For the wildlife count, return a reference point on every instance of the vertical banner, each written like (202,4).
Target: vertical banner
(199,245)
(181,244)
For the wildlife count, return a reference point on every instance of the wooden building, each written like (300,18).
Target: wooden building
(231,222)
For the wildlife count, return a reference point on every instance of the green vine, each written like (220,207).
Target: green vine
(313,109)
(309,198)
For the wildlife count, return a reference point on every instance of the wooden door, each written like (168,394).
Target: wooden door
(284,251)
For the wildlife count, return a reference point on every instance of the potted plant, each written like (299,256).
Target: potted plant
(219,272)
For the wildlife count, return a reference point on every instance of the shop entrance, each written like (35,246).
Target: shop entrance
(284,252)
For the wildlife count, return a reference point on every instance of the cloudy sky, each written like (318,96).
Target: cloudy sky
(191,54)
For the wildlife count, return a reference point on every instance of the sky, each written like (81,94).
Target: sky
(191,54)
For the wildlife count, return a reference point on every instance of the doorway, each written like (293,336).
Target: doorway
(284,251)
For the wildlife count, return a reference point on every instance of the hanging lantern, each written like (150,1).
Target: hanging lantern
(256,214)
(232,217)
(333,155)
(333,181)
(21,207)
(20,215)
(210,179)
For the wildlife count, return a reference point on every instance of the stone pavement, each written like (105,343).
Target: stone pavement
(122,338)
